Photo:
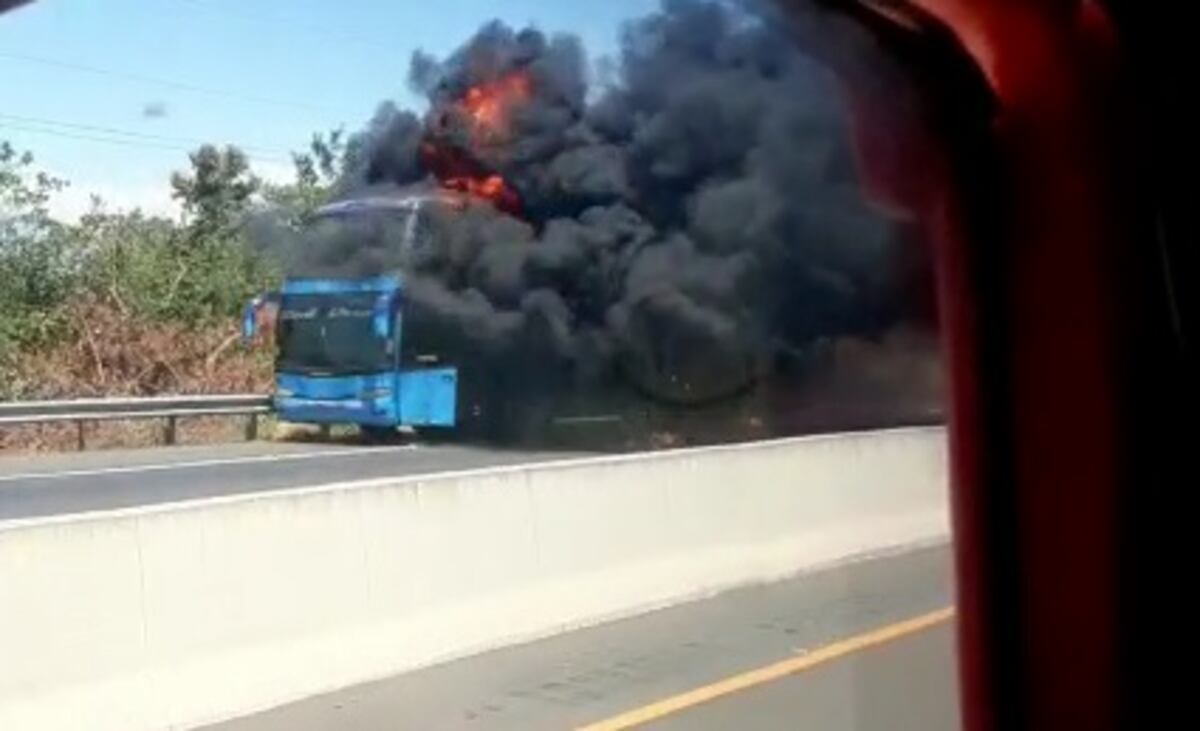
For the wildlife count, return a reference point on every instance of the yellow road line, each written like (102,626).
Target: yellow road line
(797,664)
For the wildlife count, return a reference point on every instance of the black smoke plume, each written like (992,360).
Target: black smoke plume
(691,234)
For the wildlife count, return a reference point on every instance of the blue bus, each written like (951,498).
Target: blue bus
(338,345)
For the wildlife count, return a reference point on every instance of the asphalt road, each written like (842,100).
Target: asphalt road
(32,486)
(678,655)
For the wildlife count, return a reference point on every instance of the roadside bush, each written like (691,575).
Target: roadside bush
(125,302)
(149,268)
(38,265)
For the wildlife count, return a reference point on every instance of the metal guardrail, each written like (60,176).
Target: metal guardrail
(169,408)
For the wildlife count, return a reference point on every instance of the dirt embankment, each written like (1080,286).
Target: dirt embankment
(109,354)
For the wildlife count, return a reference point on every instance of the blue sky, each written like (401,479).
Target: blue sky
(263,74)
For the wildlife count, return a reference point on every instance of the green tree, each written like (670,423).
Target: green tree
(38,265)
(135,262)
(210,277)
(63,285)
(24,195)
(216,194)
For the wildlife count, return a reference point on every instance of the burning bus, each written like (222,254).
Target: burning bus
(342,355)
(688,236)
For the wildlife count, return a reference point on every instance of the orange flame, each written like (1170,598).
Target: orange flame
(457,164)
(489,104)
(492,188)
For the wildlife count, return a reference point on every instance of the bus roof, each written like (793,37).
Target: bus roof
(395,202)
(340,285)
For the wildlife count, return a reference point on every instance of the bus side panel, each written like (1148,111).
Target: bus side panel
(428,397)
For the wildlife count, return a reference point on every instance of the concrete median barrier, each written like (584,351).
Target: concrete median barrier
(173,616)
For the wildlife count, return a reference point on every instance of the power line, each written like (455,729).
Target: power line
(192,142)
(125,142)
(160,81)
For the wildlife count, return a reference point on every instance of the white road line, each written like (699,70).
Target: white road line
(202,463)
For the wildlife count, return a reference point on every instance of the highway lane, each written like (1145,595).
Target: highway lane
(905,685)
(599,674)
(40,485)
